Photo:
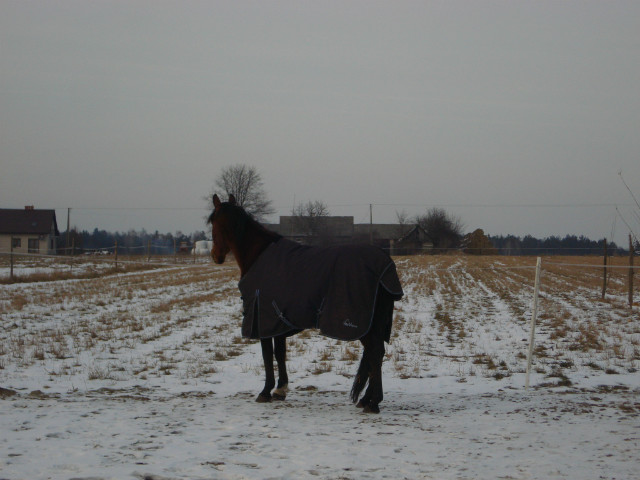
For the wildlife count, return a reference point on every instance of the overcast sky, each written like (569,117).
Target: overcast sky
(515,116)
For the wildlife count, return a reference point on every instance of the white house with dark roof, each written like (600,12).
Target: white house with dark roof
(28,231)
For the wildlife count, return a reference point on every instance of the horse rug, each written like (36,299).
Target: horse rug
(291,287)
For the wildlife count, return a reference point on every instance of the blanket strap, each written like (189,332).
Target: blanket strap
(281,316)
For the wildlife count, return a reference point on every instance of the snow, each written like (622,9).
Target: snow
(143,375)
(316,434)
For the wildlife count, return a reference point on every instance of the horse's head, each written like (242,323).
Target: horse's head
(222,228)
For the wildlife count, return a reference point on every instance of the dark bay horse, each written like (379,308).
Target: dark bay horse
(351,297)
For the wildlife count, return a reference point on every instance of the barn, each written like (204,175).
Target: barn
(397,239)
(28,231)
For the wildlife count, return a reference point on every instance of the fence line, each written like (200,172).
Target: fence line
(78,260)
(587,265)
(79,257)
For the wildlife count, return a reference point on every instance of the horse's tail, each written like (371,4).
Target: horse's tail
(362,377)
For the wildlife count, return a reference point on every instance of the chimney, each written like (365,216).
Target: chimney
(28,207)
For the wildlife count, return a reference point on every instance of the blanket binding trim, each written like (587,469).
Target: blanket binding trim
(281,316)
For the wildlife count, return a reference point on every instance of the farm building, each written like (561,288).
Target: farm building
(331,230)
(413,242)
(315,230)
(28,231)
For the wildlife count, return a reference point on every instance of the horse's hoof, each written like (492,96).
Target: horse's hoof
(280,394)
(361,404)
(371,409)
(263,398)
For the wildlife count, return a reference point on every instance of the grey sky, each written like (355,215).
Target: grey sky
(482,107)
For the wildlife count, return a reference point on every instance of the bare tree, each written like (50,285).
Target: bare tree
(308,217)
(404,223)
(245,183)
(444,230)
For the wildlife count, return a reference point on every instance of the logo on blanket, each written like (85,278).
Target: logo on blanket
(347,323)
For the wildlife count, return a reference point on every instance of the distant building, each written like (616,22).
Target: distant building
(28,231)
(323,231)
(315,230)
(383,235)
(414,242)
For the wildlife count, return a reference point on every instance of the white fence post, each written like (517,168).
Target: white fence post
(534,316)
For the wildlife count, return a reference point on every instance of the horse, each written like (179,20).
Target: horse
(354,302)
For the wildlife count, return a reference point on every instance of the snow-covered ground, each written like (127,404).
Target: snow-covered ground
(144,375)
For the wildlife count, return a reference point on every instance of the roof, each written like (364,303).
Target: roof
(293,226)
(416,233)
(290,226)
(29,221)
(387,231)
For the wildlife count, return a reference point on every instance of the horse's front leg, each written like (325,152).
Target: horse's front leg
(280,344)
(270,380)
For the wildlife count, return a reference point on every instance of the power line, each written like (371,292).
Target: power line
(426,204)
(627,187)
(506,205)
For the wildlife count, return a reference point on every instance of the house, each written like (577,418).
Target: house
(28,231)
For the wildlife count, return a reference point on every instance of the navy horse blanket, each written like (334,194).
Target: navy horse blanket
(292,287)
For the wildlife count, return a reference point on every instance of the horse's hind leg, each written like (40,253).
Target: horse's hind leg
(362,377)
(374,350)
(270,381)
(280,344)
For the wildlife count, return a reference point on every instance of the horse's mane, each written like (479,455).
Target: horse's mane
(242,221)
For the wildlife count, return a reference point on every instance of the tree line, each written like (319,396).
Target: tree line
(130,242)
(137,242)
(553,245)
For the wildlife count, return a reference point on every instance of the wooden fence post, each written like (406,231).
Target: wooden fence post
(604,274)
(534,315)
(116,253)
(148,251)
(73,251)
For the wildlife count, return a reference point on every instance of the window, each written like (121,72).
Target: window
(16,242)
(34,245)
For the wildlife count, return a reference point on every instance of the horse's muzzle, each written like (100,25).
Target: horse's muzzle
(219,259)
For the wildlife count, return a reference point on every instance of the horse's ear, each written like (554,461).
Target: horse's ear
(232,199)
(216,201)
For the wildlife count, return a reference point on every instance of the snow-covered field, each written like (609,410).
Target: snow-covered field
(144,375)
